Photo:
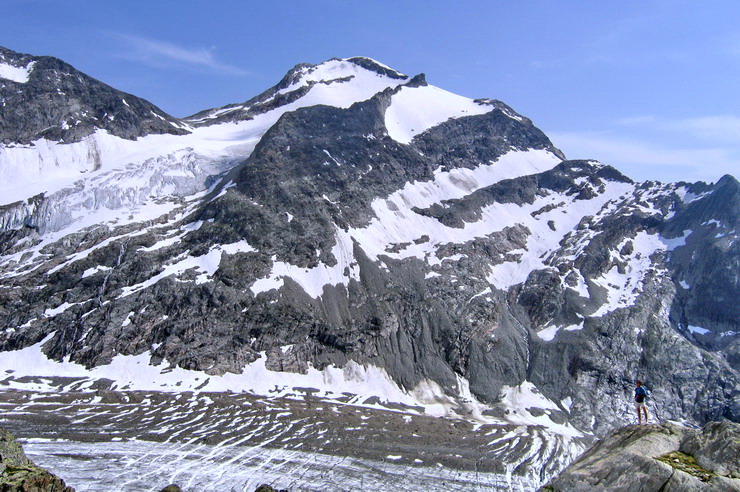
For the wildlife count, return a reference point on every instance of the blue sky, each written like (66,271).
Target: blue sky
(648,87)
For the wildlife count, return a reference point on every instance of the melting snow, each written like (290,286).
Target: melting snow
(623,288)
(676,242)
(395,223)
(548,334)
(206,265)
(518,399)
(542,239)
(135,373)
(313,280)
(92,271)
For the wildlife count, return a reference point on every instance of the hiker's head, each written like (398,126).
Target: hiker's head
(638,382)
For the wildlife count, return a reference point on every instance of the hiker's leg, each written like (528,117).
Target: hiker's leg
(639,415)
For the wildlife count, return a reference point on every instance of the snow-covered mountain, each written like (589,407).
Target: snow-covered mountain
(360,232)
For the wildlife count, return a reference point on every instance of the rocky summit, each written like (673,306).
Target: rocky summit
(363,233)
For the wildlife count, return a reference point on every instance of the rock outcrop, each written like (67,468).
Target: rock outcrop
(19,474)
(658,457)
(267,488)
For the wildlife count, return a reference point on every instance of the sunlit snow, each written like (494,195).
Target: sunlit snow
(623,287)
(414,110)
(16,74)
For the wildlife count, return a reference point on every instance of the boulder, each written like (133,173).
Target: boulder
(657,457)
(19,474)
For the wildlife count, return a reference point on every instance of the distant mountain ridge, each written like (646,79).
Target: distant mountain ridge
(366,232)
(54,101)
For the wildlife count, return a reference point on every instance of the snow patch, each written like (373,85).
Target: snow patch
(698,330)
(50,313)
(543,240)
(206,265)
(676,242)
(624,287)
(16,74)
(548,334)
(396,223)
(518,399)
(313,280)
(92,271)
(413,110)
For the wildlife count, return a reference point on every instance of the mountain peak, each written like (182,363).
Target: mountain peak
(336,68)
(338,82)
(376,66)
(47,98)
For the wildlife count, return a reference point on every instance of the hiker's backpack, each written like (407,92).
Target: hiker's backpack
(640,394)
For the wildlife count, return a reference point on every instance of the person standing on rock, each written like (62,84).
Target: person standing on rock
(640,396)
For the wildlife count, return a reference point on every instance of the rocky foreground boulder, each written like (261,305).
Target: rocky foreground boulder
(658,457)
(18,473)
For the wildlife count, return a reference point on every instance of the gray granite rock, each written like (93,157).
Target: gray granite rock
(657,457)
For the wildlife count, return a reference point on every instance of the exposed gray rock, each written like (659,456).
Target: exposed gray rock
(62,104)
(267,488)
(716,448)
(657,457)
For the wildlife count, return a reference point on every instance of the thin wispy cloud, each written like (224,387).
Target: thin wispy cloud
(711,128)
(546,64)
(637,120)
(643,159)
(160,53)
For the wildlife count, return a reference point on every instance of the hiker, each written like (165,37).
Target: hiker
(640,395)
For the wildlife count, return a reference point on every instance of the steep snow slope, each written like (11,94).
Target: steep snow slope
(414,110)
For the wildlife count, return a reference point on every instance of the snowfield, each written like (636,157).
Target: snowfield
(16,74)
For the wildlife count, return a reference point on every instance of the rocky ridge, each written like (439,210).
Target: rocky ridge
(54,101)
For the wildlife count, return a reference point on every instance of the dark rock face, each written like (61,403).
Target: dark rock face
(61,104)
(705,269)
(651,457)
(19,474)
